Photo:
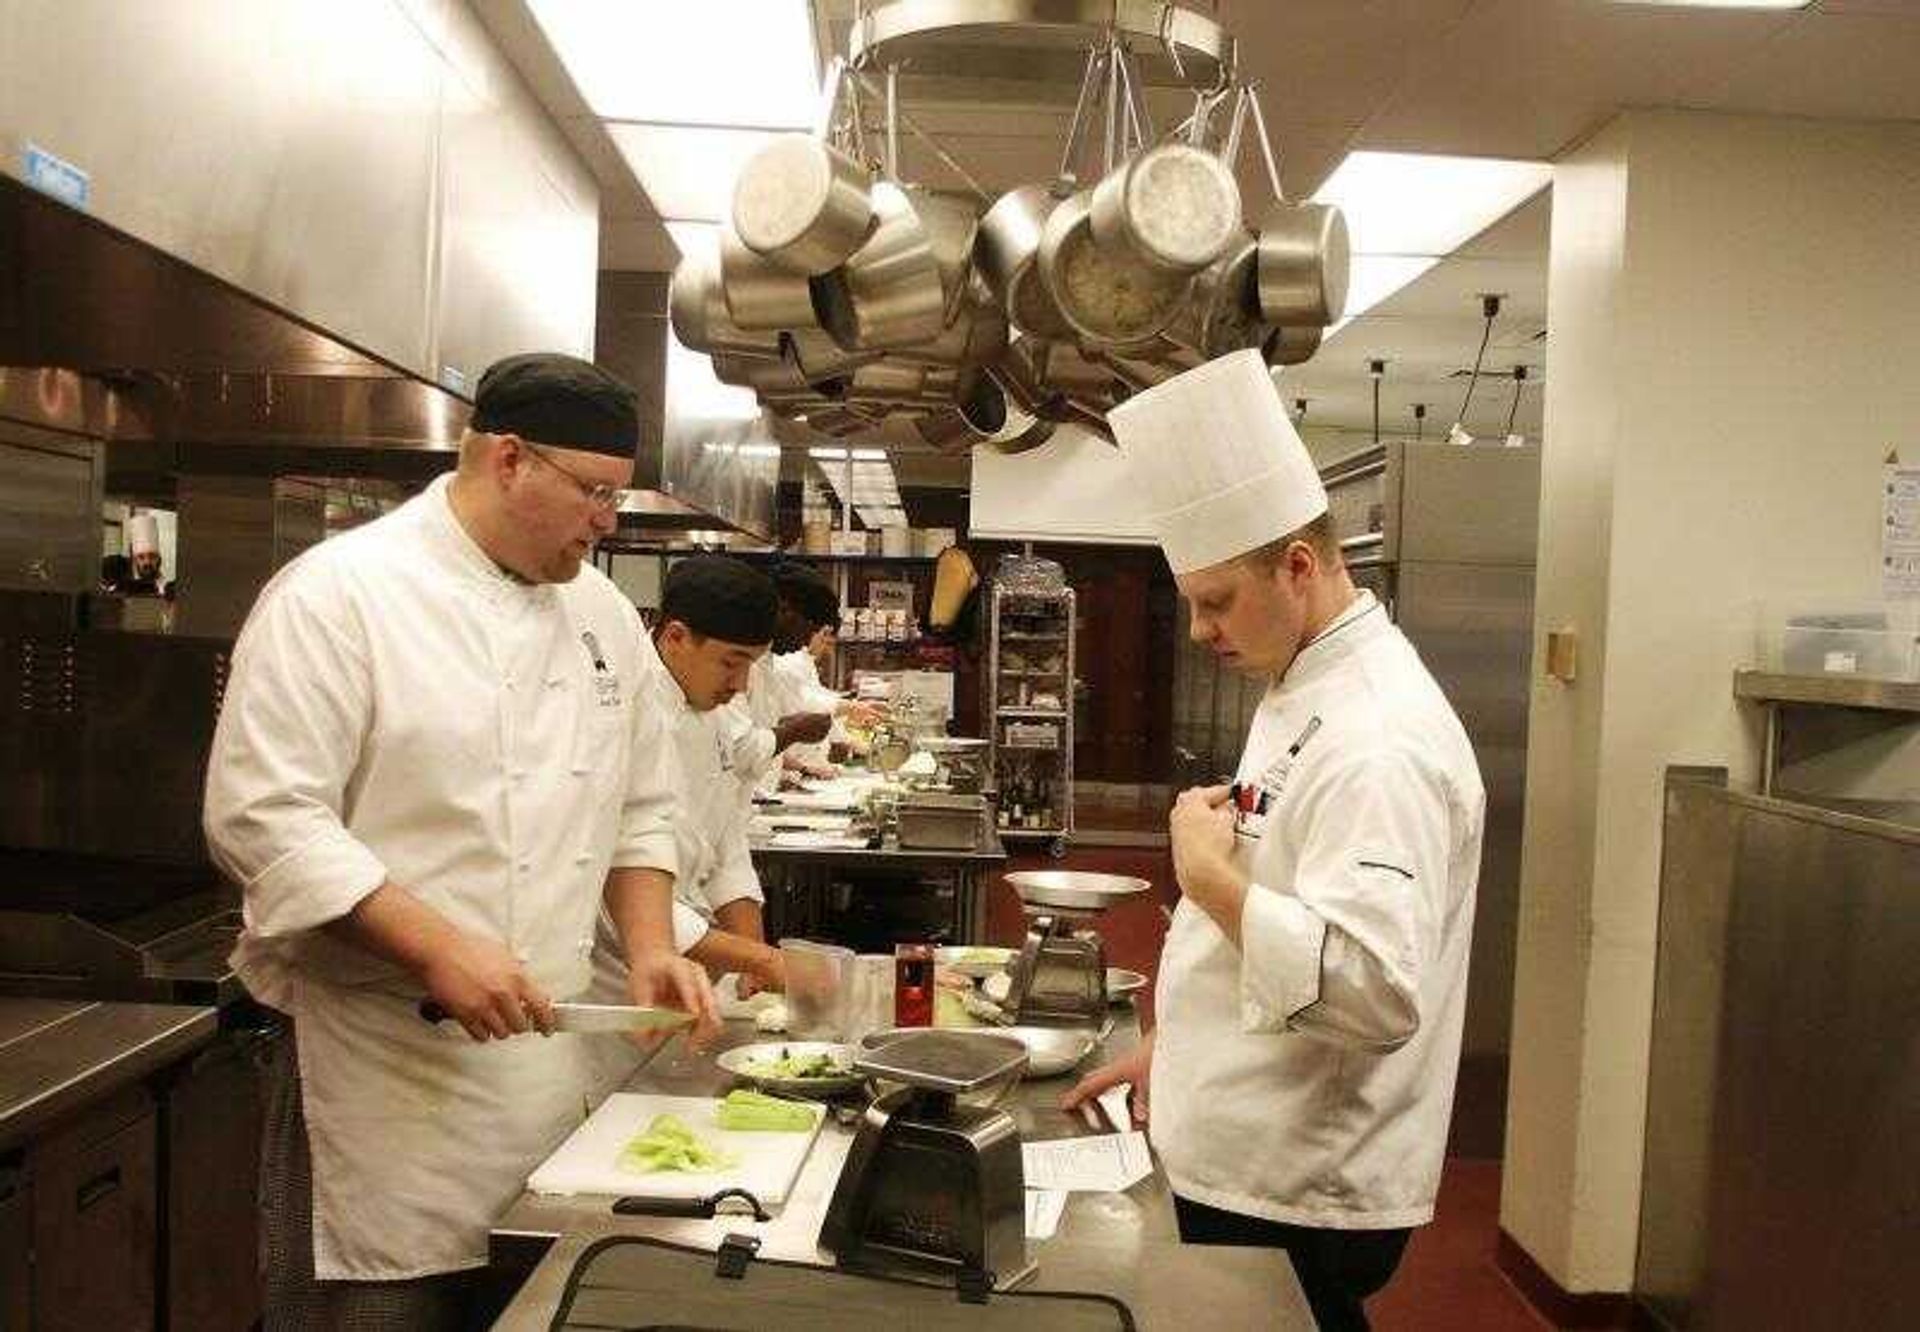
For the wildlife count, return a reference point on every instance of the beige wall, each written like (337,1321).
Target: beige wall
(1731,302)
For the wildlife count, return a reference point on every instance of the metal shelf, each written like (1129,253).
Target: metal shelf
(1022,713)
(1833,691)
(1015,636)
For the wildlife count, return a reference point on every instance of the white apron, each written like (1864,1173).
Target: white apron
(1308,1077)
(399,709)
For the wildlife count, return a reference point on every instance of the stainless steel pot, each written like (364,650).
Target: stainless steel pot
(1222,313)
(1303,265)
(1291,346)
(888,381)
(761,296)
(1108,296)
(699,315)
(1008,253)
(1175,207)
(976,335)
(890,292)
(819,356)
(952,228)
(802,204)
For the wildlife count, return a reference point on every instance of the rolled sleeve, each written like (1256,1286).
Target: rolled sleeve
(689,927)
(648,807)
(292,725)
(734,878)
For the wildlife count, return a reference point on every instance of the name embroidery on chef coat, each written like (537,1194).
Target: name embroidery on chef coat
(606,681)
(1252,801)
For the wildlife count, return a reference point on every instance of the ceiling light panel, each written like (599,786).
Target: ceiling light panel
(688,173)
(1718,4)
(1423,204)
(1371,278)
(688,62)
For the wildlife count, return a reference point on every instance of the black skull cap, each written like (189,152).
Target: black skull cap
(558,400)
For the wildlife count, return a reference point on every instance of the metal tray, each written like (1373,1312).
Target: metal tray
(1075,890)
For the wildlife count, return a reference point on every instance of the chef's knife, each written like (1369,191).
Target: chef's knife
(593,1017)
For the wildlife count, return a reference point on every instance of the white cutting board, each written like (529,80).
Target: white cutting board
(589,1160)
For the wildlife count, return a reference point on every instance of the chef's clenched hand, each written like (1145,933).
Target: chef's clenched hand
(671,981)
(484,987)
(1135,1067)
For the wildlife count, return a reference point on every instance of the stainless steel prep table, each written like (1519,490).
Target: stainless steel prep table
(796,880)
(56,1055)
(1122,1244)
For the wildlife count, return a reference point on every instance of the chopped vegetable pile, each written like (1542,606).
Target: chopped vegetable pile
(668,1144)
(794,1068)
(756,1112)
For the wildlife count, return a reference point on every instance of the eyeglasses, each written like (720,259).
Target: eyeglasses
(599,495)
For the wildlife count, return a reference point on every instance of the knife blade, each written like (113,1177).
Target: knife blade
(577,1017)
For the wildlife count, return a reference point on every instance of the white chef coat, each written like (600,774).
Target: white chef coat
(401,709)
(1308,1076)
(777,686)
(710,830)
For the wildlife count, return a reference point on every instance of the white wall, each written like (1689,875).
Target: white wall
(1732,309)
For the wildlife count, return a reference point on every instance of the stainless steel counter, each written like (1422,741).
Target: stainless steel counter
(56,1055)
(1123,1244)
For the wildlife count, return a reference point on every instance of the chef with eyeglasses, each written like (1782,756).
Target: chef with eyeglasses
(1313,980)
(434,765)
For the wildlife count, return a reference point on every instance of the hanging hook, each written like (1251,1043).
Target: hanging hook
(893,123)
(829,97)
(1266,144)
(1088,79)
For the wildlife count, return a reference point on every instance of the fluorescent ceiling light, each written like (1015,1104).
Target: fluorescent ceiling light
(828,455)
(759,450)
(1374,277)
(689,62)
(869,455)
(1720,4)
(1419,204)
(688,173)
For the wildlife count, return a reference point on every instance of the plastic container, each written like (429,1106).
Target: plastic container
(1867,642)
(820,989)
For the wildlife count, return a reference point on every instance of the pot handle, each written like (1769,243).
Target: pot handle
(1248,105)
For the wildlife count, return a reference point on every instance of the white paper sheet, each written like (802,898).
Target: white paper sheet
(1104,1163)
(1114,1101)
(1044,1209)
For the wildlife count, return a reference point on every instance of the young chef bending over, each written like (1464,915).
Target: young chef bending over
(716,620)
(1313,979)
(433,765)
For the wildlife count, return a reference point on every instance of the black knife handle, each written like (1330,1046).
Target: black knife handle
(432,1011)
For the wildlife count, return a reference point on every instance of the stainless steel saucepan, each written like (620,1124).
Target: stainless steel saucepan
(1174,206)
(1303,265)
(803,205)
(1108,295)
(891,291)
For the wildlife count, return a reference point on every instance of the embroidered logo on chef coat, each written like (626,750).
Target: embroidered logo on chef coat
(1252,801)
(606,681)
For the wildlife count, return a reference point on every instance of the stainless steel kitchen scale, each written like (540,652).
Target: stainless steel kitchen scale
(1059,976)
(933,1184)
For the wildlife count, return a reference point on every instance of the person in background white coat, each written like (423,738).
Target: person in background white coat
(1313,980)
(432,766)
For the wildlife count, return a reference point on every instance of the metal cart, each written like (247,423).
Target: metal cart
(1029,710)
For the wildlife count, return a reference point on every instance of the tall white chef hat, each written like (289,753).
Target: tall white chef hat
(1220,465)
(143,534)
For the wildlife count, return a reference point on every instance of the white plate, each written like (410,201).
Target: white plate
(1120,984)
(736,1060)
